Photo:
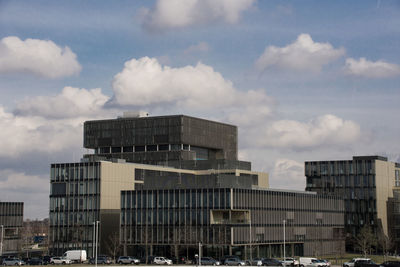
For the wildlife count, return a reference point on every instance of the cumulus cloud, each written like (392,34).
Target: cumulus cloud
(40,57)
(200,47)
(302,55)
(325,130)
(369,69)
(288,174)
(27,134)
(72,102)
(145,82)
(33,190)
(171,14)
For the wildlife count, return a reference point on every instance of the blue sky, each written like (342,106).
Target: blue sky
(303,80)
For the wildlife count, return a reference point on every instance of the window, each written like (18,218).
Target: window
(104,150)
(140,148)
(116,149)
(59,189)
(163,147)
(128,149)
(397,178)
(151,147)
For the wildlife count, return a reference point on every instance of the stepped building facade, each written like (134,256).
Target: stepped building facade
(164,184)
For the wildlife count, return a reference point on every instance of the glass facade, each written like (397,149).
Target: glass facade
(356,182)
(74,205)
(223,218)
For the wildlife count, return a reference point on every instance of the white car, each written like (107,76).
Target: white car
(290,262)
(59,260)
(351,263)
(162,260)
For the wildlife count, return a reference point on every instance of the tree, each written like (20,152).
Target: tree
(113,245)
(385,242)
(365,240)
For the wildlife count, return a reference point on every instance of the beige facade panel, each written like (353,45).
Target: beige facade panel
(115,177)
(384,180)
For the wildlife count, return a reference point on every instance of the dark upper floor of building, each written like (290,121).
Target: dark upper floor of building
(161,140)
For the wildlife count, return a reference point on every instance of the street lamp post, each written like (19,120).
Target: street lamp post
(2,238)
(284,241)
(94,238)
(97,240)
(251,257)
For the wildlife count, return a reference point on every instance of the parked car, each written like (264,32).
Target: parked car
(100,260)
(162,261)
(351,263)
(59,260)
(234,262)
(311,262)
(328,263)
(271,262)
(150,260)
(290,262)
(209,261)
(35,261)
(391,264)
(365,263)
(13,261)
(181,260)
(127,260)
(46,259)
(254,262)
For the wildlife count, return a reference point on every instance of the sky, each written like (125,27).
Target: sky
(303,80)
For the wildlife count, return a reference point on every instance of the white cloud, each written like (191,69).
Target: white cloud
(200,47)
(40,57)
(145,82)
(302,55)
(33,190)
(22,135)
(288,174)
(179,14)
(72,102)
(325,130)
(370,69)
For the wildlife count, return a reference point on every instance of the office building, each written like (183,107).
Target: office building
(11,220)
(175,157)
(230,221)
(366,183)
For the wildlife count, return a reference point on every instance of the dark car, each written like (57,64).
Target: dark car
(150,260)
(365,263)
(391,264)
(46,259)
(209,261)
(101,260)
(35,261)
(271,262)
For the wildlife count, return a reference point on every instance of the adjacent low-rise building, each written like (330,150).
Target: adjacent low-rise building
(366,183)
(11,221)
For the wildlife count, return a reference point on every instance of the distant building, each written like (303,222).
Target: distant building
(11,221)
(182,173)
(366,184)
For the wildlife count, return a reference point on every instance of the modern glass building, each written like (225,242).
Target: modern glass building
(230,221)
(11,220)
(182,183)
(366,183)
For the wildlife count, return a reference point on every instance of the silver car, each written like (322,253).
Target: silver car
(234,262)
(13,261)
(127,260)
